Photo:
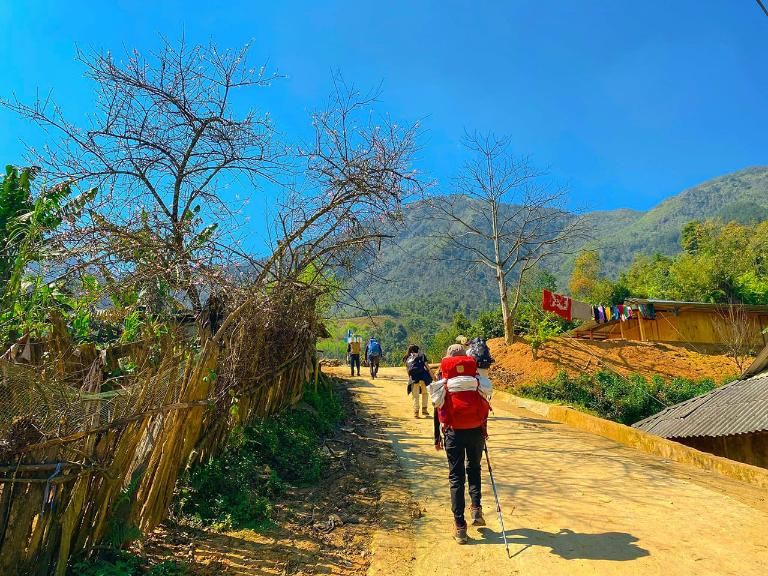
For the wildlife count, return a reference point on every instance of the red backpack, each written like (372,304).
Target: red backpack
(462,410)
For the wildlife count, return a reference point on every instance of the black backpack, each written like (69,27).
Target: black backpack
(415,364)
(479,350)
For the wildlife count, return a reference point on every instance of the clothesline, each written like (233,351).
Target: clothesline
(571,309)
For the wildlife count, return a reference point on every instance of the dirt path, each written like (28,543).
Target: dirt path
(574,504)
(327,528)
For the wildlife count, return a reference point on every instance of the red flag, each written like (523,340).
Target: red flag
(557,303)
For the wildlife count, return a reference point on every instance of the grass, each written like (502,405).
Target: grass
(239,488)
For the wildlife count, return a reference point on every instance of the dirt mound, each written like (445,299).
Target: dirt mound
(622,356)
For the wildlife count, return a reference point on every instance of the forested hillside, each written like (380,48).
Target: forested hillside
(415,264)
(741,196)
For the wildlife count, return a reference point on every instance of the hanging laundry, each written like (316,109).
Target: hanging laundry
(615,312)
(595,314)
(608,314)
(581,310)
(556,303)
(621,312)
(601,313)
(651,312)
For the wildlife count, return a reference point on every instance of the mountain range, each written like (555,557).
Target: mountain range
(414,268)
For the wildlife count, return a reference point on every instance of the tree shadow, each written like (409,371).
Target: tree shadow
(570,545)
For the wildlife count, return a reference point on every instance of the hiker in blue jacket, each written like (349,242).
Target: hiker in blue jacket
(373,353)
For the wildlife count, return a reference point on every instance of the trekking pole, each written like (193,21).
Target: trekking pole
(496,495)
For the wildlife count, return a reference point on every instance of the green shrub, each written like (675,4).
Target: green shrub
(238,488)
(121,563)
(609,395)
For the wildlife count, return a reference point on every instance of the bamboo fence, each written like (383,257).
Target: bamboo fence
(72,442)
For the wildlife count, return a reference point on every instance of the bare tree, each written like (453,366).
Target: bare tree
(161,145)
(357,174)
(736,331)
(504,217)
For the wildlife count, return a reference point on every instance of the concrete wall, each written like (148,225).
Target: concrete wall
(748,448)
(638,439)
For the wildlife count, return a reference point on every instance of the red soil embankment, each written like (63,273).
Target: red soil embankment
(622,356)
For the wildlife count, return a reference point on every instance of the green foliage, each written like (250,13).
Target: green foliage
(609,395)
(26,226)
(721,263)
(120,531)
(15,200)
(446,336)
(237,488)
(489,324)
(121,563)
(543,329)
(588,283)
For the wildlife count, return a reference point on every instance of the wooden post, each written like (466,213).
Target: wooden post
(642,327)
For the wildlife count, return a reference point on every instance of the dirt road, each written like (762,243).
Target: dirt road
(573,503)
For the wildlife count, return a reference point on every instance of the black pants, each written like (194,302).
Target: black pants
(354,360)
(373,361)
(461,445)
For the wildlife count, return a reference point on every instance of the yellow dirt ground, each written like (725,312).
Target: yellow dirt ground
(573,504)
(623,356)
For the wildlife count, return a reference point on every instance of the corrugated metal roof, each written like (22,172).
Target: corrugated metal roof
(759,365)
(739,407)
(664,304)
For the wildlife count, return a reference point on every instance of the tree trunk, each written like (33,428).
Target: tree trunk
(506,313)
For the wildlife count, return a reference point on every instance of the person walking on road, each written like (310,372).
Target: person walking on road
(353,350)
(419,377)
(461,398)
(479,350)
(373,353)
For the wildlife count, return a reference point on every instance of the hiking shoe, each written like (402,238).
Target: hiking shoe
(460,534)
(477,516)
(416,414)
(425,412)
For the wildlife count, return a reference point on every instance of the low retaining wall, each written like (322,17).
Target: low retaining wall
(637,439)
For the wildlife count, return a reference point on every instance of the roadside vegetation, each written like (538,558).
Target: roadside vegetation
(122,563)
(623,399)
(239,487)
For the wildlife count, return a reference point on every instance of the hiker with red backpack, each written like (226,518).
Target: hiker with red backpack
(419,377)
(461,398)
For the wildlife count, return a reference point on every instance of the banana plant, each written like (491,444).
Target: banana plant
(26,225)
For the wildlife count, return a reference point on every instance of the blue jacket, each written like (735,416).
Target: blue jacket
(373,349)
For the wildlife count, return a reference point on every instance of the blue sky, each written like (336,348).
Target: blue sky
(625,102)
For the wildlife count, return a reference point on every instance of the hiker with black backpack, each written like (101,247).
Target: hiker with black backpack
(419,377)
(479,350)
(462,403)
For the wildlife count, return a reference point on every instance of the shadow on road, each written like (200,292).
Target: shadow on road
(570,545)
